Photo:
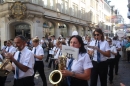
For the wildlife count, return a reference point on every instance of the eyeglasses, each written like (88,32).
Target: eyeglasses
(96,34)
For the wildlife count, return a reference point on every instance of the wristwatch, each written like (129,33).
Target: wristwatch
(73,74)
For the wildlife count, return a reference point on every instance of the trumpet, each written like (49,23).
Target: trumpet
(56,76)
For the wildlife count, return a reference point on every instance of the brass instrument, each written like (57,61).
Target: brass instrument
(56,76)
(5,67)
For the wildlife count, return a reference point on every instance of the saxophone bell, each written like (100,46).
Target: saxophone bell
(56,76)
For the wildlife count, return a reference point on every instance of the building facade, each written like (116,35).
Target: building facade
(50,17)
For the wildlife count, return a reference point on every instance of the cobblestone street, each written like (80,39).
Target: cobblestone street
(122,77)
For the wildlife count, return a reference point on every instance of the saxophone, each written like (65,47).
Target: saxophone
(5,67)
(56,76)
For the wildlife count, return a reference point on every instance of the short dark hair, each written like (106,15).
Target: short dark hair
(5,43)
(21,37)
(10,41)
(79,38)
(99,31)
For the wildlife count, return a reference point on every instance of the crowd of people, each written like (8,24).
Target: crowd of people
(98,57)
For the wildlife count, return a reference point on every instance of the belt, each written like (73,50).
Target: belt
(100,61)
(27,77)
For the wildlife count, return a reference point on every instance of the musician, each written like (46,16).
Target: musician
(117,43)
(5,46)
(101,51)
(78,70)
(111,60)
(10,48)
(56,50)
(2,78)
(23,63)
(39,65)
(53,40)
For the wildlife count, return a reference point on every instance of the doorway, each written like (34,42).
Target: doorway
(23,29)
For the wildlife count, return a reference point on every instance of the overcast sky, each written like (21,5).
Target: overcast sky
(121,5)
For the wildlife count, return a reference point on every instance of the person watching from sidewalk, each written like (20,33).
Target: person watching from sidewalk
(123,43)
(128,49)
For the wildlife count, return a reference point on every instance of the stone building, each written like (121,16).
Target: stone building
(50,17)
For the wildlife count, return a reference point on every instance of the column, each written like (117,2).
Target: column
(57,30)
(4,32)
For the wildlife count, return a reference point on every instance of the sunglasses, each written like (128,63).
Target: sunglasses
(96,34)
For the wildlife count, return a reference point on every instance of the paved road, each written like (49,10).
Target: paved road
(123,76)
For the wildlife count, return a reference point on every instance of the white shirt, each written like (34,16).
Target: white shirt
(82,63)
(12,49)
(113,49)
(27,59)
(42,41)
(39,51)
(1,57)
(117,44)
(57,52)
(54,42)
(3,47)
(104,46)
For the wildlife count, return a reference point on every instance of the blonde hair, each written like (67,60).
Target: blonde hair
(36,40)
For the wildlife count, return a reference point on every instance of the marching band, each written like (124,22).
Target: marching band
(96,57)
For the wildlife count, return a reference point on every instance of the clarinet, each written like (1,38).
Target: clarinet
(96,42)
(93,49)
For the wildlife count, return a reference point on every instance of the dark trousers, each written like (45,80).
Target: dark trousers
(48,55)
(39,66)
(128,56)
(52,61)
(27,81)
(73,82)
(2,80)
(110,68)
(124,53)
(100,69)
(117,58)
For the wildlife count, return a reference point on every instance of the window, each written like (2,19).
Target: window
(92,3)
(82,13)
(45,3)
(51,4)
(75,10)
(1,1)
(35,1)
(62,6)
(66,6)
(83,1)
